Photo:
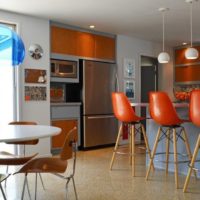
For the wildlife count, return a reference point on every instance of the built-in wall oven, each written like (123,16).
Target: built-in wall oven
(64,68)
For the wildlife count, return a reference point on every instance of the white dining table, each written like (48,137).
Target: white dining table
(15,133)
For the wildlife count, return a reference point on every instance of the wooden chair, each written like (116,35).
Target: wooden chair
(12,160)
(163,113)
(28,142)
(24,143)
(125,114)
(3,177)
(55,165)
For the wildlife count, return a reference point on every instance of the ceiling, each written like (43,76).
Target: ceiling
(139,18)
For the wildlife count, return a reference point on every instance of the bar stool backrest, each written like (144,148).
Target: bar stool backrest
(122,108)
(162,110)
(194,108)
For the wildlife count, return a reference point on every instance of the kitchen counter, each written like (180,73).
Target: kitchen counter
(176,104)
(191,130)
(66,104)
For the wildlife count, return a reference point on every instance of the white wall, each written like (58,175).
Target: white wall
(33,30)
(129,47)
(166,77)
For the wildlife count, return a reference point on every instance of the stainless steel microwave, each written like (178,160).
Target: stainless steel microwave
(64,68)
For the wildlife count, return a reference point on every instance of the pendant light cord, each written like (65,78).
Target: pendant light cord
(163,16)
(191,14)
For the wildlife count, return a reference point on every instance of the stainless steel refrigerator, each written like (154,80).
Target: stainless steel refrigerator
(99,124)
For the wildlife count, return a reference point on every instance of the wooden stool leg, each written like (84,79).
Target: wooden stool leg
(175,158)
(146,143)
(130,144)
(133,149)
(167,150)
(116,146)
(191,164)
(153,152)
(188,149)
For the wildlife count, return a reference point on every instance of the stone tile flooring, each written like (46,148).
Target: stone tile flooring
(94,181)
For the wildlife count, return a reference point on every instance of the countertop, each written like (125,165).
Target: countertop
(66,104)
(176,104)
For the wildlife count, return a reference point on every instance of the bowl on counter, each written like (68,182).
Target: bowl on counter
(182,96)
(182,93)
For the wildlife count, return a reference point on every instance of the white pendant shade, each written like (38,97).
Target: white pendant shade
(163,57)
(191,53)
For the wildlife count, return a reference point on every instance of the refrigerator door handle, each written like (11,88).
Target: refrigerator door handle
(116,83)
(101,117)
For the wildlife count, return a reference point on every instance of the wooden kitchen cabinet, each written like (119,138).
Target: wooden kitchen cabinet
(82,44)
(66,126)
(180,58)
(63,41)
(85,43)
(104,47)
(65,116)
(186,71)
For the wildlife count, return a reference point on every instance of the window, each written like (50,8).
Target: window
(7,88)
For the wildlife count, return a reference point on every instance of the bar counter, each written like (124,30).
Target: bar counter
(192,132)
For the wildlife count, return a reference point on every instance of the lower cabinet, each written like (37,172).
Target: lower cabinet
(66,125)
(64,116)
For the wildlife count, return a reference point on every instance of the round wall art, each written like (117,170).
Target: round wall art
(35,51)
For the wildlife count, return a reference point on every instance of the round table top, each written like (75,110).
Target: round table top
(15,133)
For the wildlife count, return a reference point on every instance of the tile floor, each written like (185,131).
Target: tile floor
(94,181)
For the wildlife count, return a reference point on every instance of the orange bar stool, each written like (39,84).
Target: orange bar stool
(163,112)
(126,115)
(195,118)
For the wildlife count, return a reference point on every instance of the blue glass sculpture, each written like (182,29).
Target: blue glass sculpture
(12,49)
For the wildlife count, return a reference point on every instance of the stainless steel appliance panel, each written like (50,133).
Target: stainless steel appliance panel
(64,68)
(99,130)
(99,81)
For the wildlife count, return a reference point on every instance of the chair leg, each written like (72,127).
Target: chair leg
(4,196)
(153,152)
(175,158)
(36,185)
(116,146)
(147,143)
(6,179)
(66,187)
(188,149)
(130,144)
(23,190)
(192,164)
(133,149)
(28,189)
(167,150)
(41,181)
(74,188)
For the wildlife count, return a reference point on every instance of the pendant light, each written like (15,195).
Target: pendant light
(163,57)
(191,53)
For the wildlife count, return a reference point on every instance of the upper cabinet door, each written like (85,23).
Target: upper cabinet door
(180,58)
(63,41)
(104,47)
(85,44)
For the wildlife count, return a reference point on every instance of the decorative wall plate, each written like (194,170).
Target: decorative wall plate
(35,51)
